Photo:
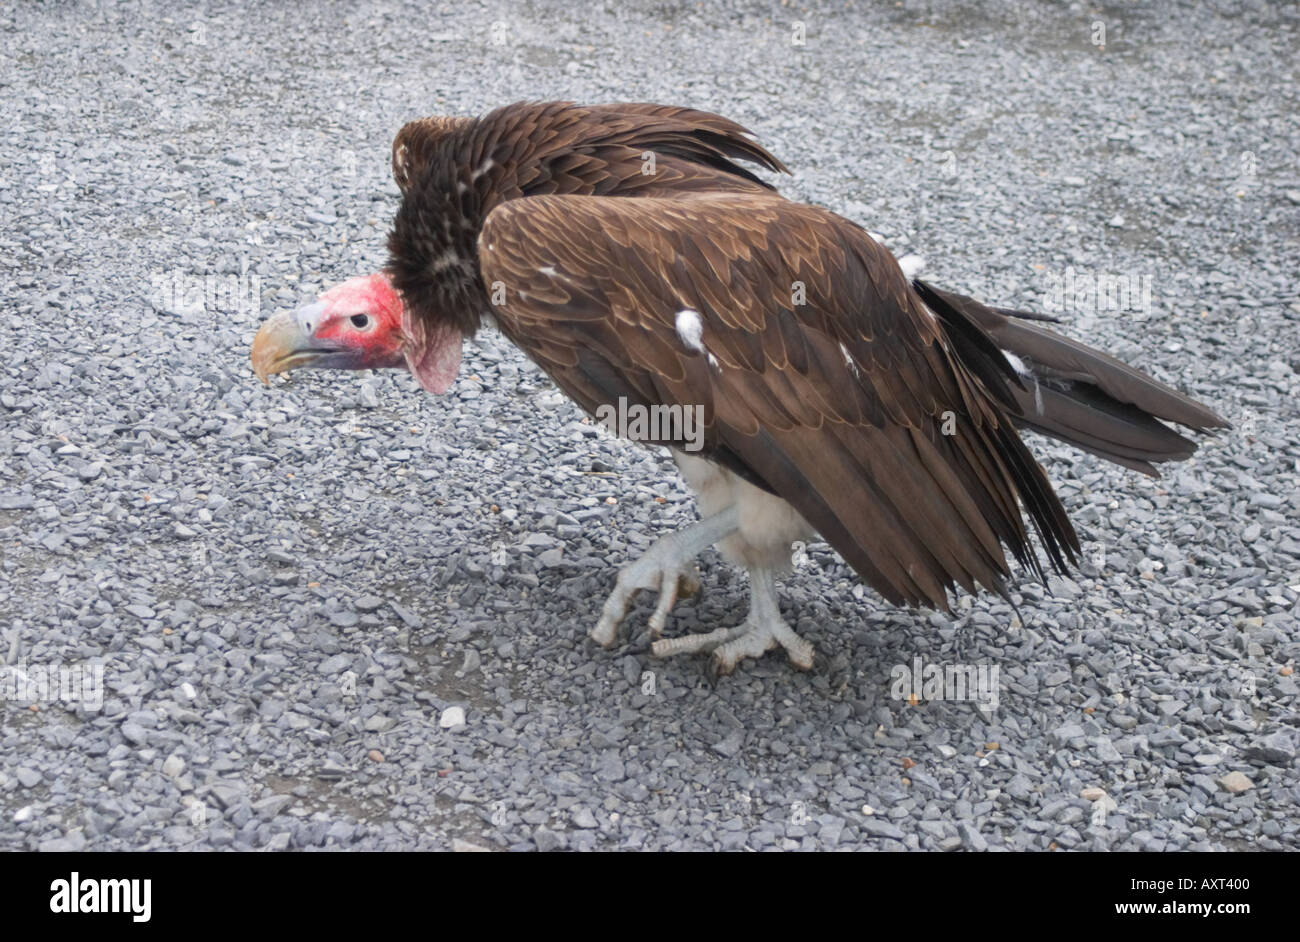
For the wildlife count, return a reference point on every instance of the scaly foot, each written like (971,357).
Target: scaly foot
(762,631)
(667,567)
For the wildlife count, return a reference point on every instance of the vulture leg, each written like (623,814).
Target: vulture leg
(762,631)
(665,568)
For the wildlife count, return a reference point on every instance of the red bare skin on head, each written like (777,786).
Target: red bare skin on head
(367,313)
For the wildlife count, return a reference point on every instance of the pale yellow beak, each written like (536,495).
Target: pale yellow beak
(281,345)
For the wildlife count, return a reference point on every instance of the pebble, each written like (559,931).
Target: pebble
(1236,783)
(459,846)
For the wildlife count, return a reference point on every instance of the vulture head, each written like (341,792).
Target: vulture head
(354,326)
(361,324)
(367,322)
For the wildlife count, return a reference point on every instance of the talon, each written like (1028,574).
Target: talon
(712,671)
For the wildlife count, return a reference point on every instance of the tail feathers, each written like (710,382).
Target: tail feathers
(1082,416)
(1074,393)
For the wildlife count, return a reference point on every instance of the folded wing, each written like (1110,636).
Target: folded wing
(821,375)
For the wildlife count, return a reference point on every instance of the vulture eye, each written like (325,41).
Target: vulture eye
(360,321)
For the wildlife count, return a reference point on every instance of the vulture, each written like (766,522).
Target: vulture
(627,250)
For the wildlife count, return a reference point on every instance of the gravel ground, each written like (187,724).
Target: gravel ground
(294,594)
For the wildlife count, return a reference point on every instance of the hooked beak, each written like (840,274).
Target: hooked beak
(285,343)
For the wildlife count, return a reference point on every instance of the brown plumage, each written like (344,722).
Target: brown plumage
(624,249)
(838,414)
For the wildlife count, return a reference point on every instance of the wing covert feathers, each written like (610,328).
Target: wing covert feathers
(821,375)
